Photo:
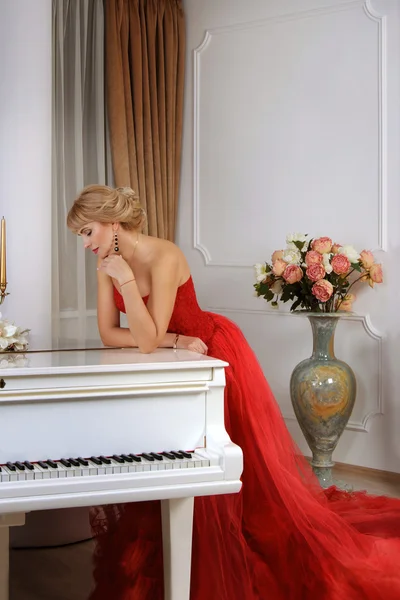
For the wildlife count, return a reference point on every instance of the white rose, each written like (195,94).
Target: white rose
(4,343)
(325,261)
(292,256)
(260,272)
(9,330)
(350,252)
(295,237)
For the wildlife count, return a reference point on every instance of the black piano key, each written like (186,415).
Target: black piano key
(135,457)
(11,466)
(96,460)
(82,461)
(127,458)
(43,464)
(0,469)
(104,460)
(65,462)
(177,454)
(74,462)
(52,464)
(19,466)
(168,455)
(156,456)
(185,454)
(148,457)
(117,459)
(29,465)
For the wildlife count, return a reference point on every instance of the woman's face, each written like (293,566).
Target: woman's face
(98,237)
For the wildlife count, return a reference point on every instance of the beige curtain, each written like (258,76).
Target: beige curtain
(80,157)
(145,55)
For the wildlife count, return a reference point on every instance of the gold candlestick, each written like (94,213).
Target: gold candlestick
(3,263)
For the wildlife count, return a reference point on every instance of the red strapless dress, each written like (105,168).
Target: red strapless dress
(281,537)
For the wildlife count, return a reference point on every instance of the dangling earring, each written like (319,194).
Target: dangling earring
(116,247)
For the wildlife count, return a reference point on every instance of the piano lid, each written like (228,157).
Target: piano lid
(96,359)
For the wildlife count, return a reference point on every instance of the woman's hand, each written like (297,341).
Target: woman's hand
(117,268)
(193,344)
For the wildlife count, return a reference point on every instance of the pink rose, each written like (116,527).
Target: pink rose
(367,259)
(276,255)
(315,272)
(313,257)
(278,267)
(375,274)
(340,264)
(336,248)
(322,290)
(347,303)
(322,245)
(292,274)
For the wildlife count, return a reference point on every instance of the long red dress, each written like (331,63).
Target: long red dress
(281,537)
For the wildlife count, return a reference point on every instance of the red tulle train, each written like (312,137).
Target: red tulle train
(281,537)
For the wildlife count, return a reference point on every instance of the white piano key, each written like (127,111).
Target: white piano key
(12,475)
(116,466)
(101,470)
(61,471)
(29,475)
(197,461)
(21,475)
(153,465)
(4,475)
(93,468)
(37,472)
(45,472)
(70,471)
(53,473)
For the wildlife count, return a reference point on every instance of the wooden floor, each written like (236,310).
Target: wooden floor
(65,573)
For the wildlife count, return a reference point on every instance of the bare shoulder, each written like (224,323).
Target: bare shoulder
(167,255)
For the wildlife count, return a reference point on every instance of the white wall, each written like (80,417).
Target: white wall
(291,124)
(25,161)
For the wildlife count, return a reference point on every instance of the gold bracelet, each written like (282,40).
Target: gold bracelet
(175,346)
(129,281)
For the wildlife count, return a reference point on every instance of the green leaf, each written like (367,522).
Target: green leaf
(356,267)
(295,304)
(299,245)
(269,296)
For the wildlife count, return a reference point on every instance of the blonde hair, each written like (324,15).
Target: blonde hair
(106,205)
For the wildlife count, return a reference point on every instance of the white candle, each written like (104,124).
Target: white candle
(3,267)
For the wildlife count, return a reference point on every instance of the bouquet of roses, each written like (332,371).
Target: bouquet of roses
(12,338)
(316,274)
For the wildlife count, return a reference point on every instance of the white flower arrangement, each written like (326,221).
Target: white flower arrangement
(12,337)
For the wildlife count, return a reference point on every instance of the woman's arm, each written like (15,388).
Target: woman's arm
(112,334)
(147,324)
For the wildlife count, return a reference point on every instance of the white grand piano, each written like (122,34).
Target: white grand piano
(100,426)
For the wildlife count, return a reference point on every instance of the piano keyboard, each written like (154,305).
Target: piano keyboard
(103,465)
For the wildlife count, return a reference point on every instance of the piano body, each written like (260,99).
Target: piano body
(103,426)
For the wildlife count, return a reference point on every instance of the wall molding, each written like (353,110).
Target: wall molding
(364,424)
(371,13)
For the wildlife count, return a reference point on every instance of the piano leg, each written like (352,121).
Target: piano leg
(177,528)
(7,521)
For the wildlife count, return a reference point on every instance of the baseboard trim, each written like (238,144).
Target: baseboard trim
(381,475)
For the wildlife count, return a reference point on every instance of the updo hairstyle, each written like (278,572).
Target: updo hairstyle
(106,205)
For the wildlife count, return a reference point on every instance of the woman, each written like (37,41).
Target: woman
(282,537)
